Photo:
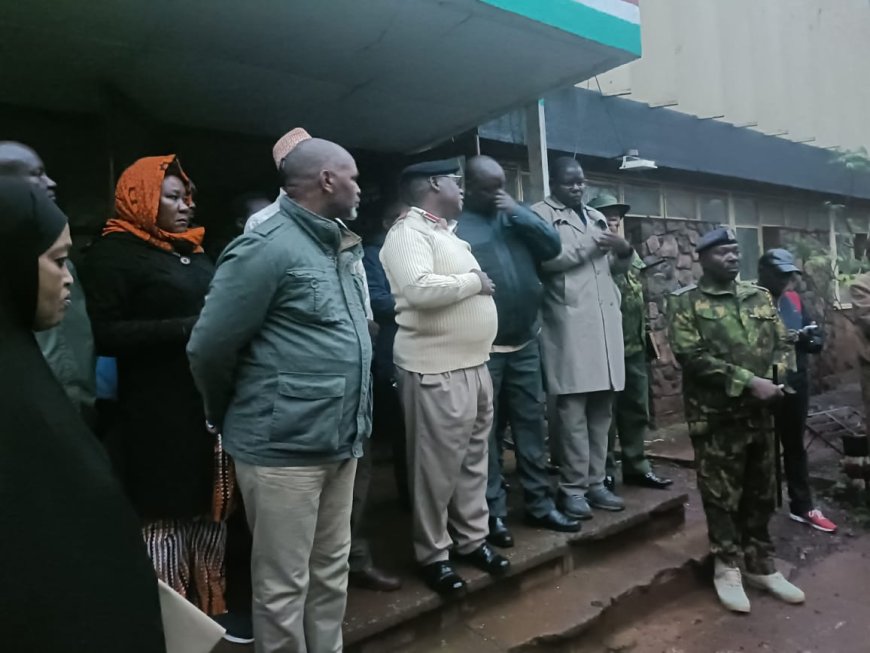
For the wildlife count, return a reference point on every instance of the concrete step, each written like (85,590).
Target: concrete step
(613,583)
(541,561)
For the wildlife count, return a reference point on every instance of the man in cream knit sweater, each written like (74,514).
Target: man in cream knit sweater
(447,323)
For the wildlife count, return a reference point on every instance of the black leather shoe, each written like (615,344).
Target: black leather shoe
(375,579)
(610,482)
(499,535)
(648,480)
(555,520)
(485,559)
(442,578)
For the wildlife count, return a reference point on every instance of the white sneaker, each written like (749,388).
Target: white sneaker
(777,585)
(729,587)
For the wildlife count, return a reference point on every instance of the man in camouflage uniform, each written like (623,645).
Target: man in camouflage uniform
(730,342)
(631,406)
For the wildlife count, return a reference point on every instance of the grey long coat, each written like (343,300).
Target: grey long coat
(581,338)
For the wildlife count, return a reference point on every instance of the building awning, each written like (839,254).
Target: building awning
(589,123)
(386,75)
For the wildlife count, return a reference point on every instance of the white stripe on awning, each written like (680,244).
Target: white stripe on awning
(623,9)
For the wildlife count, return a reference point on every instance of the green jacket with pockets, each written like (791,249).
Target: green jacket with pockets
(281,352)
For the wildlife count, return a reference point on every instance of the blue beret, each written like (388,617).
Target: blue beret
(718,236)
(430,169)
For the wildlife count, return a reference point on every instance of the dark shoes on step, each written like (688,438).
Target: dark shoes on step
(375,579)
(441,577)
(499,535)
(649,480)
(485,559)
(555,520)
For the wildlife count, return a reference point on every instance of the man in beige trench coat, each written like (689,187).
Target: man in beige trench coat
(581,339)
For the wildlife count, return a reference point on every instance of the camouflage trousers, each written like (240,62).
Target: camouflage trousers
(735,467)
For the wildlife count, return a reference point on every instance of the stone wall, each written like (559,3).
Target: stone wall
(668,249)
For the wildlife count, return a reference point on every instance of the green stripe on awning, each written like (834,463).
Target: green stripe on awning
(579,19)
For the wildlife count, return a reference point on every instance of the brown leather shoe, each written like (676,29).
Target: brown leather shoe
(375,579)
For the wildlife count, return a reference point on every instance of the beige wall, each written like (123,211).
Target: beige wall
(799,69)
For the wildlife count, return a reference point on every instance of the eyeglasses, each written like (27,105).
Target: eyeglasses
(456,178)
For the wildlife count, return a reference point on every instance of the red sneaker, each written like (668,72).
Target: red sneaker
(816,519)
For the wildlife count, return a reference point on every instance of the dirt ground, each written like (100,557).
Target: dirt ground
(833,570)
(833,620)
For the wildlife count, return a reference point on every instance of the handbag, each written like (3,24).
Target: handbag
(223,495)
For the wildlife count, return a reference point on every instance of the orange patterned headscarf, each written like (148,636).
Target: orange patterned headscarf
(137,200)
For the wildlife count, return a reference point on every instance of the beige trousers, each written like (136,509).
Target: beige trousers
(447,419)
(300,520)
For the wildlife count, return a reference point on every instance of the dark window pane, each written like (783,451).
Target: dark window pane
(745,210)
(797,216)
(860,246)
(644,200)
(511,181)
(749,254)
(819,219)
(680,204)
(528,193)
(771,213)
(771,237)
(714,208)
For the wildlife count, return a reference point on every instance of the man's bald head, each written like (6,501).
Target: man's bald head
(310,157)
(321,176)
(19,160)
(484,179)
(482,167)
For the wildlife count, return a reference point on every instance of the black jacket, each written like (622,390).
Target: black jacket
(383,308)
(509,249)
(143,303)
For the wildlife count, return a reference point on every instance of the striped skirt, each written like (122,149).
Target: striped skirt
(188,555)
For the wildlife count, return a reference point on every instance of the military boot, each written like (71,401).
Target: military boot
(729,587)
(777,585)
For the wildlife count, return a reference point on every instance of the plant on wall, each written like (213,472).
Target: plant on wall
(857,160)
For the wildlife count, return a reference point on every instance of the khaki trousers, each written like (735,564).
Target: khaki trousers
(448,418)
(300,521)
(582,423)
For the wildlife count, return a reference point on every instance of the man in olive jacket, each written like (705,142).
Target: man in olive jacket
(282,356)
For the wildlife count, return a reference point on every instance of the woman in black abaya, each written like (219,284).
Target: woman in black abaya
(74,574)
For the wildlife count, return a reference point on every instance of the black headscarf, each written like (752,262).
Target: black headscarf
(30,223)
(74,574)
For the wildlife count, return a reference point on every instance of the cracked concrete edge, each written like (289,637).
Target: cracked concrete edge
(658,579)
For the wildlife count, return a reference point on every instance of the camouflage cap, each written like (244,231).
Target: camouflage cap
(718,236)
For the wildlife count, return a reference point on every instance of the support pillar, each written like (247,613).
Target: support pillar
(536,142)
